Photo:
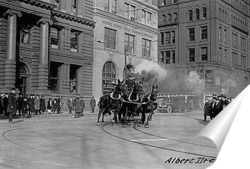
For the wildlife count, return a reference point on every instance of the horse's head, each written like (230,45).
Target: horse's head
(154,92)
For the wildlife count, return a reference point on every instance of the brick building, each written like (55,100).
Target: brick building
(210,37)
(46,47)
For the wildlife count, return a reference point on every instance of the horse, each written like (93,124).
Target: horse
(129,103)
(148,106)
(110,103)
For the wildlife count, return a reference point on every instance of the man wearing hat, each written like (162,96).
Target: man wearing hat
(11,109)
(78,106)
(1,104)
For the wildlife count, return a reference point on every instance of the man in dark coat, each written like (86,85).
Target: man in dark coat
(207,110)
(78,107)
(25,107)
(42,104)
(20,104)
(11,109)
(1,104)
(5,104)
(83,105)
(92,104)
(216,107)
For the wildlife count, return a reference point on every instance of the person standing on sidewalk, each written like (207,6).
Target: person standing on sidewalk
(42,104)
(92,104)
(25,107)
(78,106)
(70,105)
(11,109)
(83,105)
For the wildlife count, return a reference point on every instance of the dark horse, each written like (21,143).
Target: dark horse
(110,103)
(130,101)
(148,106)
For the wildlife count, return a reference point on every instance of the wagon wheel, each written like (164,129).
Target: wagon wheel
(169,109)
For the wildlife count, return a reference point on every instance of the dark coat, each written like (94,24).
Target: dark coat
(49,104)
(32,104)
(208,109)
(1,105)
(216,109)
(42,104)
(11,103)
(19,102)
(77,104)
(92,103)
(25,106)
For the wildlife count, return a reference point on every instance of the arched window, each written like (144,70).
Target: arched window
(197,11)
(190,15)
(204,13)
(175,17)
(169,17)
(108,77)
(163,17)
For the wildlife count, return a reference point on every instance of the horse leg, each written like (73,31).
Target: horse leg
(125,117)
(103,116)
(148,119)
(99,114)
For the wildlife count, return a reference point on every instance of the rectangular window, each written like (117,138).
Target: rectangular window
(226,56)
(173,56)
(74,7)
(167,39)
(73,78)
(190,15)
(114,6)
(220,33)
(225,36)
(74,39)
(129,43)
(126,10)
(106,5)
(220,54)
(204,55)
(236,59)
(235,40)
(243,61)
(162,38)
(204,32)
(143,16)
(25,35)
(109,38)
(146,47)
(243,44)
(54,37)
(162,57)
(191,54)
(173,37)
(148,18)
(132,13)
(168,57)
(191,34)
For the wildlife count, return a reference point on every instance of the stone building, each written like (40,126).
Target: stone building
(46,47)
(126,32)
(210,37)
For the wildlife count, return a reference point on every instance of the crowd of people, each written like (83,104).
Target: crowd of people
(215,105)
(28,106)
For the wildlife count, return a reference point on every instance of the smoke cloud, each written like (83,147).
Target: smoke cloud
(170,80)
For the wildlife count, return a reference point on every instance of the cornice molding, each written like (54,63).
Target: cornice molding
(40,3)
(73,18)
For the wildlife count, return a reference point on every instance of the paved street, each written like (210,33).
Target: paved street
(63,142)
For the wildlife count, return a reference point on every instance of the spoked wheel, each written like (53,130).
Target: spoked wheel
(169,109)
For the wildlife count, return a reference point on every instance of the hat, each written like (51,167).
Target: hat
(13,89)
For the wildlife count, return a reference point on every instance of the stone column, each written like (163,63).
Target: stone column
(10,61)
(43,56)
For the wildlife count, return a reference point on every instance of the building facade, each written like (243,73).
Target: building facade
(126,32)
(46,47)
(210,37)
